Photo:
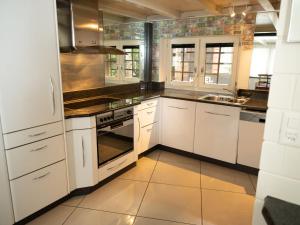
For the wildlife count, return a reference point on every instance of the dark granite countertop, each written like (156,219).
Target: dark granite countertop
(279,212)
(100,104)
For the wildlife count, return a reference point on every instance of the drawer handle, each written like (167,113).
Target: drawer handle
(148,130)
(150,103)
(40,177)
(39,149)
(83,152)
(217,114)
(175,107)
(38,134)
(139,129)
(118,165)
(150,112)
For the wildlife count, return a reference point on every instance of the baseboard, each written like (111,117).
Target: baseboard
(239,167)
(77,192)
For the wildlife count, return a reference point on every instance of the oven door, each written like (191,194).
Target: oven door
(114,141)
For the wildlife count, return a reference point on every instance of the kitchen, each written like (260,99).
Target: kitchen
(146,112)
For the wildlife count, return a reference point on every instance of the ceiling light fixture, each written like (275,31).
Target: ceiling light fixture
(244,13)
(232,12)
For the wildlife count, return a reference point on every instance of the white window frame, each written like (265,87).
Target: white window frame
(194,41)
(200,54)
(219,39)
(120,78)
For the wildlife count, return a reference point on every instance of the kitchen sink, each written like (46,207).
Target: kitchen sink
(225,99)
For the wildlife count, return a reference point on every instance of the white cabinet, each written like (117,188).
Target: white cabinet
(30,85)
(146,125)
(34,191)
(251,132)
(216,131)
(178,120)
(82,152)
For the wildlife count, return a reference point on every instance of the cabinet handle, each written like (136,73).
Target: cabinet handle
(52,96)
(83,152)
(148,130)
(150,112)
(38,134)
(150,103)
(118,165)
(139,129)
(40,177)
(175,107)
(39,149)
(217,114)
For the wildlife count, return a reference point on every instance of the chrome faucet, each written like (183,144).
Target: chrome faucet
(233,92)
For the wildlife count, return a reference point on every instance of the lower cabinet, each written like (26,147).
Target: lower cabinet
(82,155)
(216,131)
(178,120)
(147,138)
(36,190)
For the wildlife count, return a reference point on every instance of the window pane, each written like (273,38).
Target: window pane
(176,76)
(128,56)
(113,66)
(225,69)
(211,79)
(136,56)
(128,73)
(189,56)
(113,58)
(227,49)
(212,58)
(188,67)
(211,68)
(226,58)
(188,77)
(128,65)
(224,79)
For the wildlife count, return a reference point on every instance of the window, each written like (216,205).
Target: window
(183,60)
(111,65)
(132,61)
(218,63)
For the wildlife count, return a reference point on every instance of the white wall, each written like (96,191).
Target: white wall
(6,212)
(244,66)
(280,161)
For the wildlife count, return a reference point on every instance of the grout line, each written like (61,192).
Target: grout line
(201,194)
(107,211)
(69,215)
(211,189)
(147,187)
(174,185)
(146,217)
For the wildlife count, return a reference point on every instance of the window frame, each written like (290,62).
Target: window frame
(120,78)
(219,40)
(182,41)
(200,59)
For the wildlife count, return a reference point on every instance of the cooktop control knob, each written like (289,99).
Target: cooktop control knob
(129,112)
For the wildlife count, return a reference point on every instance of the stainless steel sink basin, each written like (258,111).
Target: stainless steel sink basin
(224,99)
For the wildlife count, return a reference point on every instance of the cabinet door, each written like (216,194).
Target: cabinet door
(250,143)
(149,137)
(178,119)
(85,162)
(216,132)
(30,89)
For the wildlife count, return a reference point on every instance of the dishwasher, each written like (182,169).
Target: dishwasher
(251,132)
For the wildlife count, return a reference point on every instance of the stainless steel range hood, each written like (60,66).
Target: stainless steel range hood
(80,28)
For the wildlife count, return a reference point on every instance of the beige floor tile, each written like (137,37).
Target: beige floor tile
(121,196)
(172,157)
(224,179)
(147,221)
(226,208)
(177,174)
(56,216)
(74,201)
(174,203)
(94,217)
(142,171)
(253,180)
(153,155)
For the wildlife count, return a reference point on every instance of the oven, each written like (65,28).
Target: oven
(114,134)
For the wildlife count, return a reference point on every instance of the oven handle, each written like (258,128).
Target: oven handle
(124,124)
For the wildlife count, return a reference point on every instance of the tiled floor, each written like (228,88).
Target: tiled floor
(163,189)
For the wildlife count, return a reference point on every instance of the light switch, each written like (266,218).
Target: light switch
(290,129)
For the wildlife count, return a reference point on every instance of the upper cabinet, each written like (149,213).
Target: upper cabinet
(30,84)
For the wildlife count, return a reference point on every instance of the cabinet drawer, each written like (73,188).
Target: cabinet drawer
(116,165)
(148,104)
(149,137)
(149,116)
(80,123)
(34,191)
(23,137)
(31,157)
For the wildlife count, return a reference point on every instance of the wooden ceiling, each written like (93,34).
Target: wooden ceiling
(174,9)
